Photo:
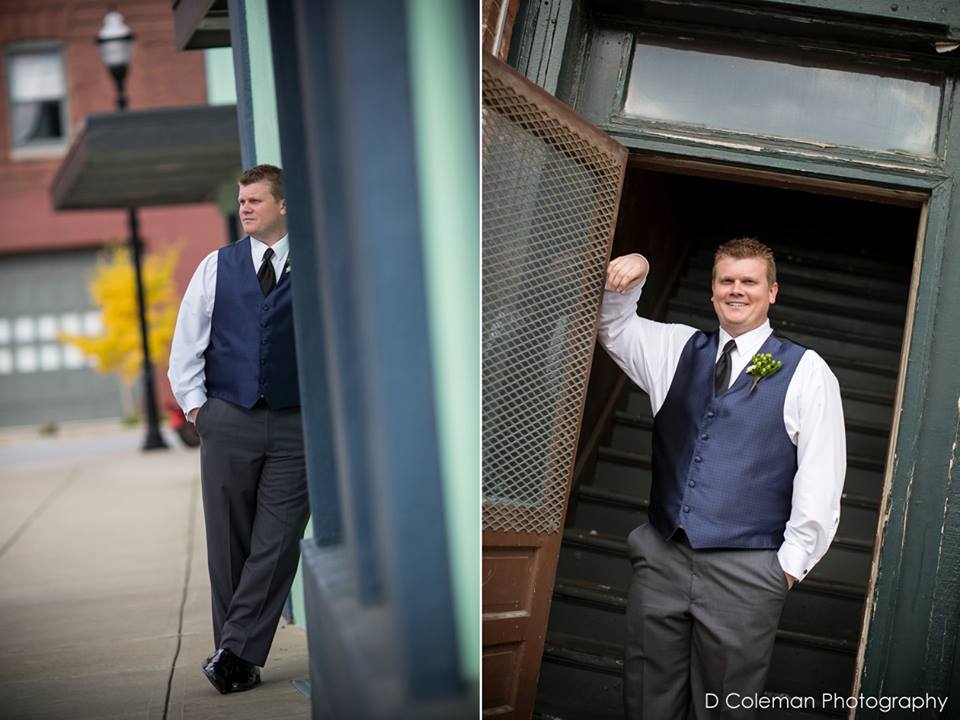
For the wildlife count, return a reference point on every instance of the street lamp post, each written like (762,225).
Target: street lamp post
(115,42)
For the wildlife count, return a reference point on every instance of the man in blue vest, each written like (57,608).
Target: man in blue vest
(233,370)
(749,456)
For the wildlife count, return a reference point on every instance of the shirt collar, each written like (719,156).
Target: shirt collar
(280,249)
(749,343)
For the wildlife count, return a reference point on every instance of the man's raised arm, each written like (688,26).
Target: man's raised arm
(645,350)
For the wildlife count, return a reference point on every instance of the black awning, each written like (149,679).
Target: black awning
(201,24)
(143,158)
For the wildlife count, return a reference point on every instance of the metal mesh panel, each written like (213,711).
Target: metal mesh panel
(551,186)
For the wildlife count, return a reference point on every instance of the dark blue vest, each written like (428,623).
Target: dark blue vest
(723,467)
(251,352)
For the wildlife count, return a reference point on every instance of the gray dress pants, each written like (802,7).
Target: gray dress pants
(701,625)
(255,506)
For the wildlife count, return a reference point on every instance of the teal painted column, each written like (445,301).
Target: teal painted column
(266,132)
(222,90)
(221,82)
(445,114)
(266,143)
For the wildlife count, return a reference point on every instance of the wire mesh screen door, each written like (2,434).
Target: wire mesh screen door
(551,189)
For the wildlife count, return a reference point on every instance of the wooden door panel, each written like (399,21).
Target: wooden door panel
(517,579)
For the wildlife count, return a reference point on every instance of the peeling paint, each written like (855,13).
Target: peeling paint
(906,509)
(719,143)
(874,164)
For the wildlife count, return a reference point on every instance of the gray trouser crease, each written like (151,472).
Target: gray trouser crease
(698,622)
(255,506)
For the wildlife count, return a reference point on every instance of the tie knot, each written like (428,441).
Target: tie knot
(268,254)
(728,348)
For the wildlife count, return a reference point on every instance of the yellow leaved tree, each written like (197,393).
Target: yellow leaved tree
(114,290)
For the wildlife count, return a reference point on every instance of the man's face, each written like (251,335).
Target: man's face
(261,214)
(741,293)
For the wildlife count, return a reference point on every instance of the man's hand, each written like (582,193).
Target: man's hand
(626,272)
(192,416)
(790,580)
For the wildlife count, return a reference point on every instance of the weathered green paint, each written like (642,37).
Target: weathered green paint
(912,643)
(542,53)
(544,40)
(907,24)
(445,113)
(941,12)
(606,62)
(800,160)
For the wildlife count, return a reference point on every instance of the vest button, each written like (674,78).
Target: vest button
(686,508)
(710,414)
(266,307)
(704,437)
(692,483)
(697,458)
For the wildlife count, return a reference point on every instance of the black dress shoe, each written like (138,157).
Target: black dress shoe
(229,673)
(218,667)
(246,676)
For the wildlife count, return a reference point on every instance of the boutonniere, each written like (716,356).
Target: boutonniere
(762,365)
(287,268)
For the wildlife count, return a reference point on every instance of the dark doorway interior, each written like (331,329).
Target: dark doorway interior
(816,223)
(844,268)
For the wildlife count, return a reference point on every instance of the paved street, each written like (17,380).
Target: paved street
(104,597)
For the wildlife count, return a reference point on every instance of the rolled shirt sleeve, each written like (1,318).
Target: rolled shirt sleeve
(647,351)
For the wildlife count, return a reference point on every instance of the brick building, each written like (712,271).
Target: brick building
(53,78)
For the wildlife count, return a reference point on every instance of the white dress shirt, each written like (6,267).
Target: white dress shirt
(648,352)
(192,334)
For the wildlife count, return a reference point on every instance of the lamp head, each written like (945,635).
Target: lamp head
(115,41)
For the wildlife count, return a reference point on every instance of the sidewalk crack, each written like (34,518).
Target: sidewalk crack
(74,472)
(191,530)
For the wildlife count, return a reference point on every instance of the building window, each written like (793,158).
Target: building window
(784,98)
(38,117)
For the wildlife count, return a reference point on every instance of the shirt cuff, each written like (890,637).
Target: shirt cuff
(794,560)
(193,399)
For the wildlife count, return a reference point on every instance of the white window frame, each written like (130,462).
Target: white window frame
(42,149)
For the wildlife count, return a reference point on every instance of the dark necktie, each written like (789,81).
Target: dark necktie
(266,275)
(721,375)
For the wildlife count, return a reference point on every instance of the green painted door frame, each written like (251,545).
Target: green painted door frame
(580,51)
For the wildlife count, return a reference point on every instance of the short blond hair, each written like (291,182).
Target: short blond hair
(269,173)
(746,247)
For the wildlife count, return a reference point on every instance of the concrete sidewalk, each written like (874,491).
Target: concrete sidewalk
(104,596)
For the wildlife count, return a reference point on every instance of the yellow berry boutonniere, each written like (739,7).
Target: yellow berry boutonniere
(762,365)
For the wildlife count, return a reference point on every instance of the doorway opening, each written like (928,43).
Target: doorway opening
(845,260)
